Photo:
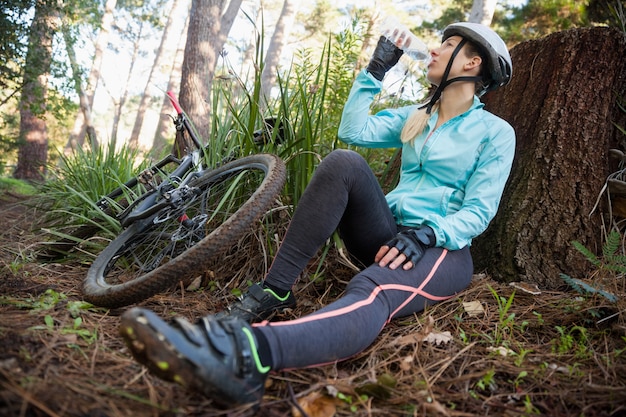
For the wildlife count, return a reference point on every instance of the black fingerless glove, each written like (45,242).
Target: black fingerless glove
(413,242)
(385,56)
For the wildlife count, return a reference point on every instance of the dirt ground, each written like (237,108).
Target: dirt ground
(550,353)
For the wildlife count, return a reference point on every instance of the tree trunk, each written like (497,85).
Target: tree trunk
(85,107)
(165,128)
(206,35)
(200,61)
(160,55)
(275,48)
(482,11)
(119,104)
(562,104)
(33,148)
(83,125)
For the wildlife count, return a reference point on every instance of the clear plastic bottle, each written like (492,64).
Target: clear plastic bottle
(402,37)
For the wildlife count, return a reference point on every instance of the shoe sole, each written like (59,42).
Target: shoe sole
(143,332)
(145,335)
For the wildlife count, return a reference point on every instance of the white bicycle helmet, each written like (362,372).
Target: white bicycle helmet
(494,51)
(494,48)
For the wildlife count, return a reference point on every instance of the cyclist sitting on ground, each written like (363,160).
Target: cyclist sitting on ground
(456,158)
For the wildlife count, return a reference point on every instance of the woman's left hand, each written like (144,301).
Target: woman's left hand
(406,248)
(392,257)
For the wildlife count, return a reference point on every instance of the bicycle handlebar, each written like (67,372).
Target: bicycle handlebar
(174,101)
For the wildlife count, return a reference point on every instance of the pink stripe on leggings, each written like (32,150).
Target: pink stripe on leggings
(415,292)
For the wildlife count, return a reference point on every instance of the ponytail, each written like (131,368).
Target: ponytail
(415,124)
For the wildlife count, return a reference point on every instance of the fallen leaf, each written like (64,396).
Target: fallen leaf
(406,363)
(374,389)
(416,337)
(315,404)
(409,339)
(195,284)
(473,308)
(503,351)
(437,338)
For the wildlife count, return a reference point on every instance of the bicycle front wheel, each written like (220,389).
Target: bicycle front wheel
(179,241)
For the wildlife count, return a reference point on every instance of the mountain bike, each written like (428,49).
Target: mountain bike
(185,214)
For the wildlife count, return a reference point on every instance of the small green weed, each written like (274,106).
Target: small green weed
(75,328)
(485,384)
(506,321)
(574,340)
(352,403)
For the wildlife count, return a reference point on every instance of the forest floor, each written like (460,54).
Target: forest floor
(496,350)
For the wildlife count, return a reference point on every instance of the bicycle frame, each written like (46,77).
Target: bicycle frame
(147,206)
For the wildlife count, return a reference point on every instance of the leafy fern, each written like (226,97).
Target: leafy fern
(585,289)
(612,260)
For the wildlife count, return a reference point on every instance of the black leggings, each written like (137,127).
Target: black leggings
(344,195)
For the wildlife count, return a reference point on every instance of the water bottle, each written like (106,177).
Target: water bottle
(402,37)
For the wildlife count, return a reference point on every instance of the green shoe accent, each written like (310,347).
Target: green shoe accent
(255,355)
(258,304)
(276,295)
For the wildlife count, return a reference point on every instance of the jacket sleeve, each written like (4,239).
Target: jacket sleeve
(358,127)
(483,192)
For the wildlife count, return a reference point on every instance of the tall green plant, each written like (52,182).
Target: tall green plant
(81,179)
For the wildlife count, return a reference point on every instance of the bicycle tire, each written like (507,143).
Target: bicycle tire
(126,271)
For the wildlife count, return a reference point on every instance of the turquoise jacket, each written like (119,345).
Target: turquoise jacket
(451,178)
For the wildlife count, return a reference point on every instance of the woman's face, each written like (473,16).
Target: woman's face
(440,57)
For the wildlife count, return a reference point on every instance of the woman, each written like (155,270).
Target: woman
(456,158)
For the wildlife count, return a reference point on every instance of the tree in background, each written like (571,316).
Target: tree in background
(482,11)
(159,142)
(538,18)
(282,30)
(13,28)
(166,41)
(209,24)
(33,138)
(83,124)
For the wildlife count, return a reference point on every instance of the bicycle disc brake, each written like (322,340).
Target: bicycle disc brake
(191,229)
(177,200)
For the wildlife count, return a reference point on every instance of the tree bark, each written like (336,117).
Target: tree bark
(200,60)
(482,11)
(165,128)
(562,102)
(121,102)
(83,100)
(33,148)
(275,48)
(206,35)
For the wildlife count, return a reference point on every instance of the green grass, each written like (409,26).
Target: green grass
(14,186)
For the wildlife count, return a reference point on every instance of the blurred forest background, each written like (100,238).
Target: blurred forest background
(94,74)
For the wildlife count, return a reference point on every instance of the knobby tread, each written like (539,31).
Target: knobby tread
(195,259)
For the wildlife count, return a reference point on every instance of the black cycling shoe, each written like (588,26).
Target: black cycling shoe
(216,357)
(258,304)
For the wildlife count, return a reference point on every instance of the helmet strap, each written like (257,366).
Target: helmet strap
(444,80)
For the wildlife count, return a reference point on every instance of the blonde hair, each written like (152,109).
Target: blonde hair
(416,123)
(418,120)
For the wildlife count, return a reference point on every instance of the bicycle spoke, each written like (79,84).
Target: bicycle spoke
(211,212)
